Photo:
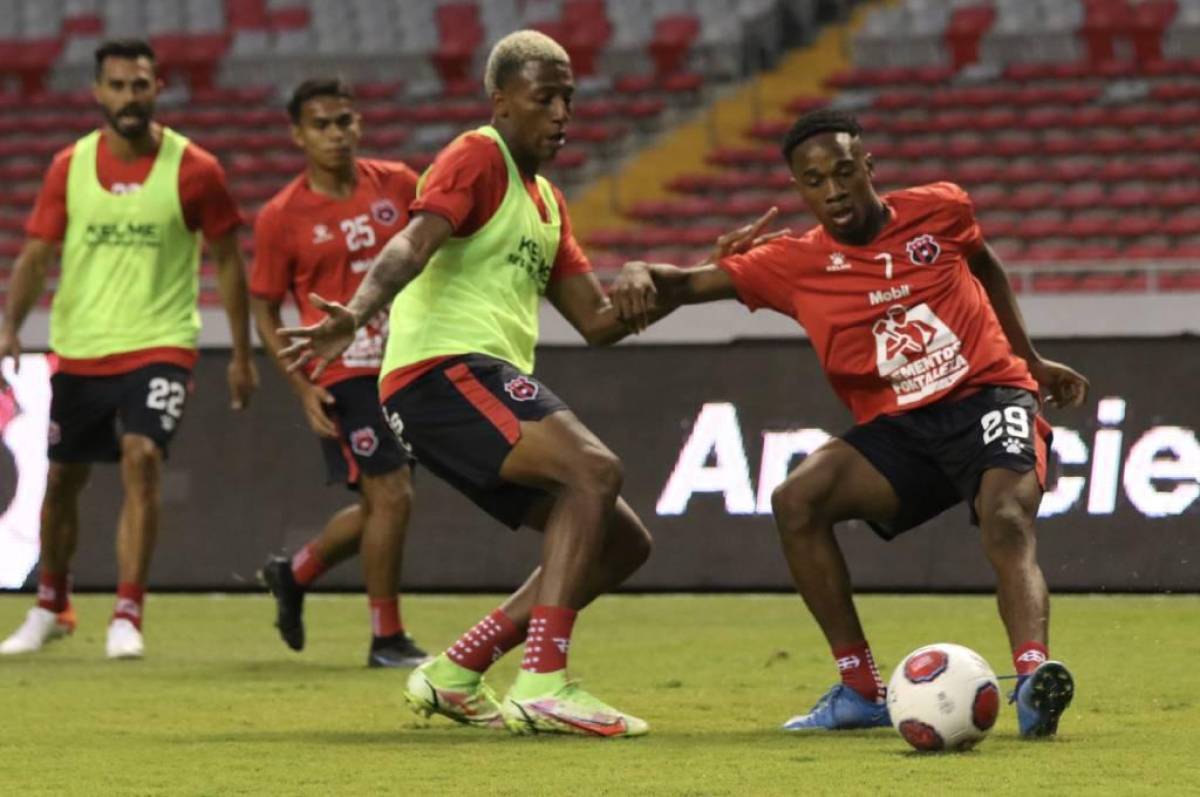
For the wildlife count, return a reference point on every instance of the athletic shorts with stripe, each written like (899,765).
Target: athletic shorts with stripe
(935,456)
(463,417)
(365,443)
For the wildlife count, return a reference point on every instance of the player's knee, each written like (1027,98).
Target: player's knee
(141,463)
(794,506)
(600,471)
(392,496)
(1007,525)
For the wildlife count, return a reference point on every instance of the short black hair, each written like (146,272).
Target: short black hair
(123,48)
(317,87)
(814,123)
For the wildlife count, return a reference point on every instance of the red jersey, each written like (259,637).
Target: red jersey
(466,186)
(207,206)
(899,323)
(305,242)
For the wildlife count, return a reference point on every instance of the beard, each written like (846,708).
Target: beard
(131,122)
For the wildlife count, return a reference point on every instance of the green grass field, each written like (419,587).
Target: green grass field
(220,707)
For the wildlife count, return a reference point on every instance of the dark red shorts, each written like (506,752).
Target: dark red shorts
(463,417)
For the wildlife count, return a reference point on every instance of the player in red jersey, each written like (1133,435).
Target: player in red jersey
(918,331)
(320,234)
(128,204)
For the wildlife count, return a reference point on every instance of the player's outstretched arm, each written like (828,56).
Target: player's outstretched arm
(645,292)
(581,300)
(27,283)
(399,263)
(1064,386)
(231,282)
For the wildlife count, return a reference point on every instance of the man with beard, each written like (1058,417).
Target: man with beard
(129,203)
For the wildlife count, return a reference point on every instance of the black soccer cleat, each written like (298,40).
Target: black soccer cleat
(397,650)
(289,600)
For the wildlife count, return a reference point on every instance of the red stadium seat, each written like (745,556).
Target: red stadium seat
(673,37)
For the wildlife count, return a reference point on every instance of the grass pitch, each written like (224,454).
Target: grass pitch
(221,707)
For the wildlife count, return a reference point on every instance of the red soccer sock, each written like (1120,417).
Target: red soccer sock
(385,616)
(130,599)
(857,668)
(1029,656)
(307,566)
(54,591)
(483,645)
(549,638)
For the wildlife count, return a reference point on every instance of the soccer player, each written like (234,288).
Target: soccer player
(129,203)
(320,234)
(917,329)
(488,237)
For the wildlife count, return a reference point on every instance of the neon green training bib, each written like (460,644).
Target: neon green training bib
(480,294)
(130,265)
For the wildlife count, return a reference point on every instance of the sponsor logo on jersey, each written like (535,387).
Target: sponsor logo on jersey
(530,259)
(321,234)
(923,250)
(364,442)
(521,388)
(891,294)
(125,234)
(384,212)
(361,266)
(837,262)
(917,353)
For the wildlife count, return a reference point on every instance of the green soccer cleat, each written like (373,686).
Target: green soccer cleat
(442,687)
(557,705)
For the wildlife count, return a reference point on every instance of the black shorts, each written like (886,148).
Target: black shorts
(89,414)
(463,417)
(365,443)
(935,456)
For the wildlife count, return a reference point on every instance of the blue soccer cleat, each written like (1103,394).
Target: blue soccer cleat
(839,709)
(1042,697)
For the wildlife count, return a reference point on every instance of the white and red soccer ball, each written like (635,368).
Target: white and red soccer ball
(943,697)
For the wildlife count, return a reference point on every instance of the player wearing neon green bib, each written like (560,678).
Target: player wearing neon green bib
(488,238)
(130,204)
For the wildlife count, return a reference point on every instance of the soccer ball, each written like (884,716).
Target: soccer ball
(943,697)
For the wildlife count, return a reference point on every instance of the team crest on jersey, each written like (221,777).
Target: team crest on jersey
(384,212)
(521,388)
(364,441)
(837,262)
(321,234)
(923,250)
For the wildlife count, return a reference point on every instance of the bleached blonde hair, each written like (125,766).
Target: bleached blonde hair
(511,52)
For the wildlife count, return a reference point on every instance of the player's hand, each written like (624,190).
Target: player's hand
(315,400)
(10,346)
(634,296)
(1062,385)
(243,379)
(743,239)
(320,343)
